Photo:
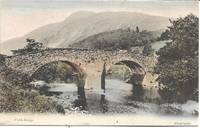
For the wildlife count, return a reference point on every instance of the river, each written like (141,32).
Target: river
(118,109)
(118,100)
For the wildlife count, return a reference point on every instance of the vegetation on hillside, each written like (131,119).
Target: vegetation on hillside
(117,39)
(178,60)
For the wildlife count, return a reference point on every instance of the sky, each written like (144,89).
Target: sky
(18,17)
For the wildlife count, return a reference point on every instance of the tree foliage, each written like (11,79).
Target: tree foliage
(32,46)
(16,99)
(178,60)
(16,94)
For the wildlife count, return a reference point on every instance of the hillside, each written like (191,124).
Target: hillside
(80,25)
(118,39)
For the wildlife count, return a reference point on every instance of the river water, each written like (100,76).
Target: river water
(118,109)
(117,100)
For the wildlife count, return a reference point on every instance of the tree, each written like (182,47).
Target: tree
(32,46)
(137,29)
(178,60)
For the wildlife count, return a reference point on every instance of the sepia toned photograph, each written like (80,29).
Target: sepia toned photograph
(99,62)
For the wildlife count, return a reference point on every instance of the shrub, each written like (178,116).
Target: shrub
(15,99)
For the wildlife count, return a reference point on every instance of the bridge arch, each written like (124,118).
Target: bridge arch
(134,67)
(77,70)
(79,75)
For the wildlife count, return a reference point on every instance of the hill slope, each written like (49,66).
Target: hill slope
(118,39)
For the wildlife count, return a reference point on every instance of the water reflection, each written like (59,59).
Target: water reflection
(137,93)
(103,104)
(81,101)
(69,94)
(119,97)
(117,90)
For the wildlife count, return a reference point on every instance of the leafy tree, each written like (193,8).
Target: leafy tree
(32,46)
(178,60)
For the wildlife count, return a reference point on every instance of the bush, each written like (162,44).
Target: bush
(15,99)
(15,78)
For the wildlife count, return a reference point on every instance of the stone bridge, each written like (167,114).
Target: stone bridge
(90,65)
